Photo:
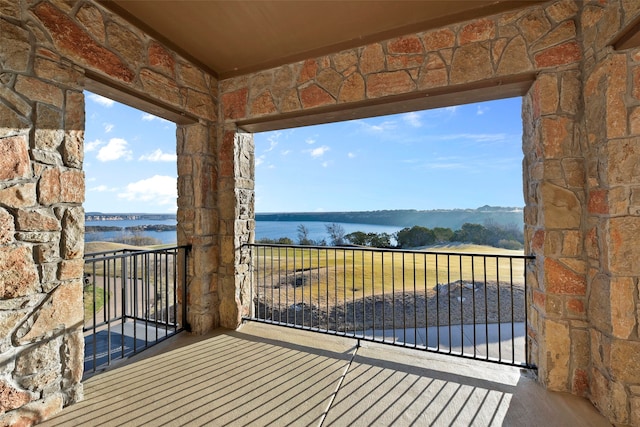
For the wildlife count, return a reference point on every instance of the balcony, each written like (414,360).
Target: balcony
(267,375)
(383,368)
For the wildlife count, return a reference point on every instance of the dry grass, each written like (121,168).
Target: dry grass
(346,287)
(343,275)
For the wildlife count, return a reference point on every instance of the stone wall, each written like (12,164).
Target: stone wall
(611,141)
(50,51)
(540,40)
(580,119)
(581,122)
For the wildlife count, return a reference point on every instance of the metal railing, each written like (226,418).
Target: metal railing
(133,299)
(464,304)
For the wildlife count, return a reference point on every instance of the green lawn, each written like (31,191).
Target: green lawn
(88,294)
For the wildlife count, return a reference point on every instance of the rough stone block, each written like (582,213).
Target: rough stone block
(471,63)
(561,280)
(372,59)
(314,96)
(234,104)
(623,248)
(557,346)
(14,158)
(11,397)
(36,220)
(514,58)
(554,56)
(623,308)
(18,274)
(72,40)
(439,39)
(71,269)
(7,227)
(63,308)
(72,186)
(391,83)
(352,89)
(625,155)
(72,242)
(15,48)
(562,209)
(599,307)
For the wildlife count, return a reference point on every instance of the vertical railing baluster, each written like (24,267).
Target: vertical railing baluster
(499,310)
(486,307)
(513,332)
(473,299)
(437,302)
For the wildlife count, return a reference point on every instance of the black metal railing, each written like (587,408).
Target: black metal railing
(133,299)
(464,304)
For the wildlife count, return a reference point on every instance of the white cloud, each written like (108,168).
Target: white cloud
(115,149)
(325,164)
(273,141)
(351,155)
(382,127)
(319,152)
(150,117)
(476,137)
(452,109)
(285,152)
(108,127)
(159,189)
(159,156)
(412,119)
(101,100)
(92,145)
(481,110)
(310,141)
(259,160)
(102,189)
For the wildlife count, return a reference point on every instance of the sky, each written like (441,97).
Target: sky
(458,157)
(129,159)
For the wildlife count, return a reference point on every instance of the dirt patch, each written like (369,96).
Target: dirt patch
(449,304)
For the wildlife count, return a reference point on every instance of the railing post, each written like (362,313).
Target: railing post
(185,324)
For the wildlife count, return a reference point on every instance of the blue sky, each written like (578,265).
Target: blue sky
(457,157)
(129,159)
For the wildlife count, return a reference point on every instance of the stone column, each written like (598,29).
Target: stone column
(554,186)
(612,235)
(198,222)
(41,226)
(237,225)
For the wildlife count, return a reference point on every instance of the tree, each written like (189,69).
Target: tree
(415,236)
(336,234)
(471,233)
(357,238)
(442,234)
(303,235)
(379,240)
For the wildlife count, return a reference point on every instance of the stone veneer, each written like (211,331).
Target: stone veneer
(49,53)
(581,122)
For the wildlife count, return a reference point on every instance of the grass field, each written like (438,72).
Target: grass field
(337,274)
(88,300)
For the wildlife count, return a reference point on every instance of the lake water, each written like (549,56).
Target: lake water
(264,229)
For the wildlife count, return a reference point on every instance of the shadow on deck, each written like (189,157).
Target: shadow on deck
(265,375)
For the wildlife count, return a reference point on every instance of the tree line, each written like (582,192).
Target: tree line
(489,234)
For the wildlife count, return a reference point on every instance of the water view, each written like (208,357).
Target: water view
(264,230)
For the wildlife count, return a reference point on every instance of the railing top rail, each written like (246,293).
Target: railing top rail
(123,253)
(370,249)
